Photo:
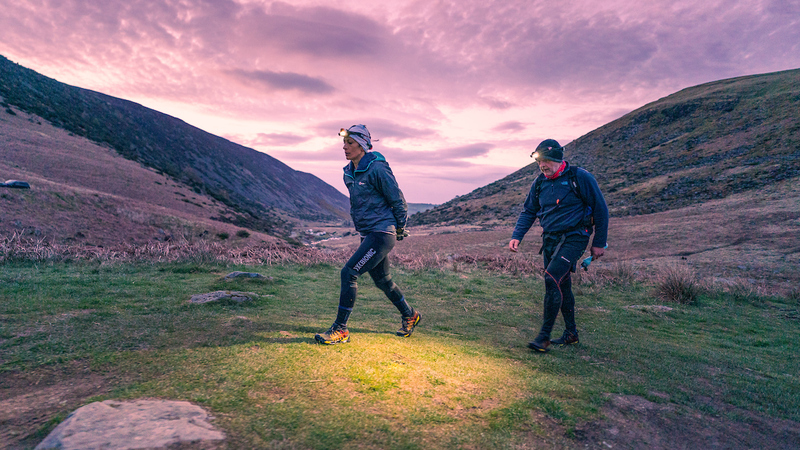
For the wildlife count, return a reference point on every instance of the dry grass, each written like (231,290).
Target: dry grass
(678,284)
(794,296)
(20,248)
(616,273)
(524,264)
(672,281)
(744,289)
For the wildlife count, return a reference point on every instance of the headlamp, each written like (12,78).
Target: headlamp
(343,132)
(535,155)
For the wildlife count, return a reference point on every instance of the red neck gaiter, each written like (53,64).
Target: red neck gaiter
(559,171)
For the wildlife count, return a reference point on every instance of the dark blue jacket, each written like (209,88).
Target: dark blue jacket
(376,201)
(560,209)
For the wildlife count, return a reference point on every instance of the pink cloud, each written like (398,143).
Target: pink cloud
(281,81)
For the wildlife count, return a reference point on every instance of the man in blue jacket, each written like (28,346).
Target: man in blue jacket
(569,205)
(379,212)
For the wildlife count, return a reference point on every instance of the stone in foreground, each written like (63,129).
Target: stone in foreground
(136,424)
(235,296)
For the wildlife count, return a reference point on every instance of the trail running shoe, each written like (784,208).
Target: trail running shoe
(566,339)
(335,335)
(407,324)
(539,345)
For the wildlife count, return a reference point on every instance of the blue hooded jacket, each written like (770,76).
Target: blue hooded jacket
(376,201)
(560,209)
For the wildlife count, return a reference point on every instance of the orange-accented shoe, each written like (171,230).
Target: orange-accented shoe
(407,324)
(336,334)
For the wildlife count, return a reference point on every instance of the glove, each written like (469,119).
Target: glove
(401,233)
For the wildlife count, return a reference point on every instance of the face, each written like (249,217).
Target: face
(549,168)
(352,150)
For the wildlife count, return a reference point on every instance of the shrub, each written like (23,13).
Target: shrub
(223,235)
(744,290)
(620,273)
(243,234)
(794,296)
(200,254)
(678,284)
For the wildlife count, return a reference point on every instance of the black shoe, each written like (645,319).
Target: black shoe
(539,345)
(566,339)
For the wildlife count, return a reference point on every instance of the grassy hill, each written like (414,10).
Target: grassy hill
(704,142)
(257,188)
(85,193)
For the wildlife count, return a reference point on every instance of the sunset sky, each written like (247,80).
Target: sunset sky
(459,92)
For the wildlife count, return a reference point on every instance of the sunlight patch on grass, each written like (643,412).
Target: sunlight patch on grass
(397,387)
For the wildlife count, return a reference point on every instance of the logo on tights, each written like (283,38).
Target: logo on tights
(364,260)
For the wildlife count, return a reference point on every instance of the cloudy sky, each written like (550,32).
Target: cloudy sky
(458,91)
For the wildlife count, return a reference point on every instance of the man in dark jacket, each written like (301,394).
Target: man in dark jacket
(569,206)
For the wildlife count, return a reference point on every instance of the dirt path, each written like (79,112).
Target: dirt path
(31,400)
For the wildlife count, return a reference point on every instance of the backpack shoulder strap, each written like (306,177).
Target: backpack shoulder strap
(537,187)
(572,173)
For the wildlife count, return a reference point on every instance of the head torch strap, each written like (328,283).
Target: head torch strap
(344,133)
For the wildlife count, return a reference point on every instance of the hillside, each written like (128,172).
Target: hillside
(84,193)
(257,188)
(704,142)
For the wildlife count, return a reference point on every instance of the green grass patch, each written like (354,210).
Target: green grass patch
(465,378)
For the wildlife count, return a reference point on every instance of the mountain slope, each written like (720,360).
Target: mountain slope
(258,187)
(85,193)
(704,142)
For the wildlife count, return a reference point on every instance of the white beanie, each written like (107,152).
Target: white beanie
(360,134)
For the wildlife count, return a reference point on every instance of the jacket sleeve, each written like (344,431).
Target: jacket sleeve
(599,207)
(528,215)
(390,190)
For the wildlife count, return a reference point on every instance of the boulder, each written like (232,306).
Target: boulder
(235,296)
(650,308)
(136,424)
(237,274)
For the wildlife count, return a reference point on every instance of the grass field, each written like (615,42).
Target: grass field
(723,370)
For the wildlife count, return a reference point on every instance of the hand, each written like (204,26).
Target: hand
(597,252)
(513,245)
(401,233)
